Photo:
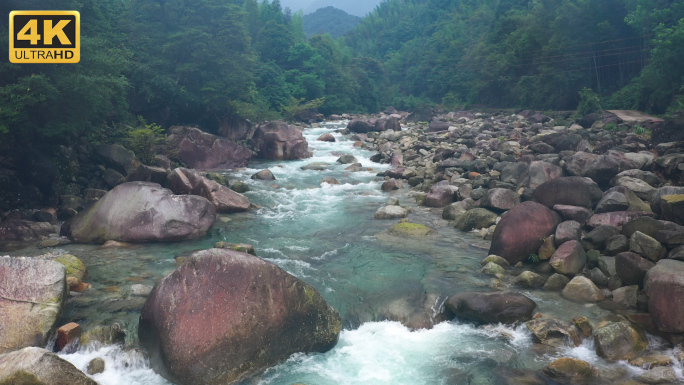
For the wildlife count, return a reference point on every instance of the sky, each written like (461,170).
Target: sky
(353,7)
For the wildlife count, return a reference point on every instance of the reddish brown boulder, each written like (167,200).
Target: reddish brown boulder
(201,150)
(440,196)
(384,124)
(224,315)
(522,230)
(664,285)
(616,218)
(280,141)
(499,199)
(67,337)
(572,190)
(632,268)
(183,181)
(327,137)
(573,213)
(360,126)
(569,258)
(392,184)
(500,307)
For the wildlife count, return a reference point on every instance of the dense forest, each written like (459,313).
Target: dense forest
(330,20)
(207,62)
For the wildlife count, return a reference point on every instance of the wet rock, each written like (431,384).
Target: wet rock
(499,307)
(347,159)
(553,332)
(664,286)
(95,366)
(521,231)
(659,375)
(239,187)
(646,246)
(201,150)
(651,360)
(626,295)
(104,335)
(412,230)
(632,268)
(142,212)
(21,230)
(391,185)
(581,289)
(619,341)
(455,210)
(497,260)
(499,199)
(183,181)
(492,268)
(327,137)
(32,297)
(240,298)
(316,166)
(279,141)
(475,219)
(139,290)
(241,247)
(616,245)
(584,326)
(568,231)
(38,366)
(569,258)
(67,337)
(117,157)
(615,218)
(572,191)
(329,180)
(529,279)
(573,213)
(264,175)
(390,212)
(570,368)
(556,282)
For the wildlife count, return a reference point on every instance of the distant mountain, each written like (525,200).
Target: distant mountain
(329,20)
(352,7)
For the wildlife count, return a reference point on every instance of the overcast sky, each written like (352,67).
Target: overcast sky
(353,7)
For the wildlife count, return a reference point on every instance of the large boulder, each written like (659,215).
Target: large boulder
(619,341)
(499,199)
(280,141)
(553,332)
(521,231)
(582,289)
(664,285)
(569,258)
(360,126)
(440,195)
(667,190)
(572,191)
(141,212)
(632,268)
(539,173)
(32,297)
(201,150)
(117,157)
(384,124)
(487,308)
(38,366)
(22,230)
(475,219)
(223,316)
(183,181)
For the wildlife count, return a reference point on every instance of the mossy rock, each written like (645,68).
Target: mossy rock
(74,266)
(673,198)
(239,187)
(413,230)
(218,178)
(241,247)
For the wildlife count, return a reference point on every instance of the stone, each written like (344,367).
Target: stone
(663,191)
(183,181)
(490,308)
(146,173)
(440,196)
(615,218)
(327,137)
(117,157)
(538,173)
(391,185)
(142,212)
(32,298)
(264,175)
(521,231)
(581,289)
(347,159)
(573,213)
(626,295)
(384,124)
(241,247)
(648,177)
(113,178)
(572,191)
(659,375)
(95,366)
(569,258)
(646,225)
(455,210)
(583,325)
(492,268)
(497,260)
(634,202)
(632,268)
(556,282)
(553,332)
(359,126)
(646,246)
(612,201)
(570,368)
(329,180)
(104,335)
(597,238)
(616,245)
(205,310)
(67,337)
(390,212)
(279,141)
(411,230)
(651,360)
(36,366)
(672,208)
(22,230)
(239,187)
(619,341)
(204,151)
(547,248)
(568,231)
(664,286)
(598,277)
(640,188)
(437,125)
(529,279)
(499,199)
(475,219)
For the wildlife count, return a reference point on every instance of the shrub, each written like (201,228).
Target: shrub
(143,138)
(589,102)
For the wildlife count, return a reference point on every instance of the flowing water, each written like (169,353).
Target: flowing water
(326,235)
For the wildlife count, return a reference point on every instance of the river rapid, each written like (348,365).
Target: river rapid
(326,235)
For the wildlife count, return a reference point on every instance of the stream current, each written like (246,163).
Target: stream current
(326,235)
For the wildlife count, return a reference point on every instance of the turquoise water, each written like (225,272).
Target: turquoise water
(326,235)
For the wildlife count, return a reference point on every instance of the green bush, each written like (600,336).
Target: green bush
(589,102)
(143,138)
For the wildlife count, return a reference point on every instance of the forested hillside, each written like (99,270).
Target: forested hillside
(330,20)
(532,54)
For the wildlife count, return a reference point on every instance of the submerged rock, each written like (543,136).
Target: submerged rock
(411,230)
(568,368)
(553,332)
(223,316)
(32,297)
(142,212)
(487,308)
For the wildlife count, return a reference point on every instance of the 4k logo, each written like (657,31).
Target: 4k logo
(44,37)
